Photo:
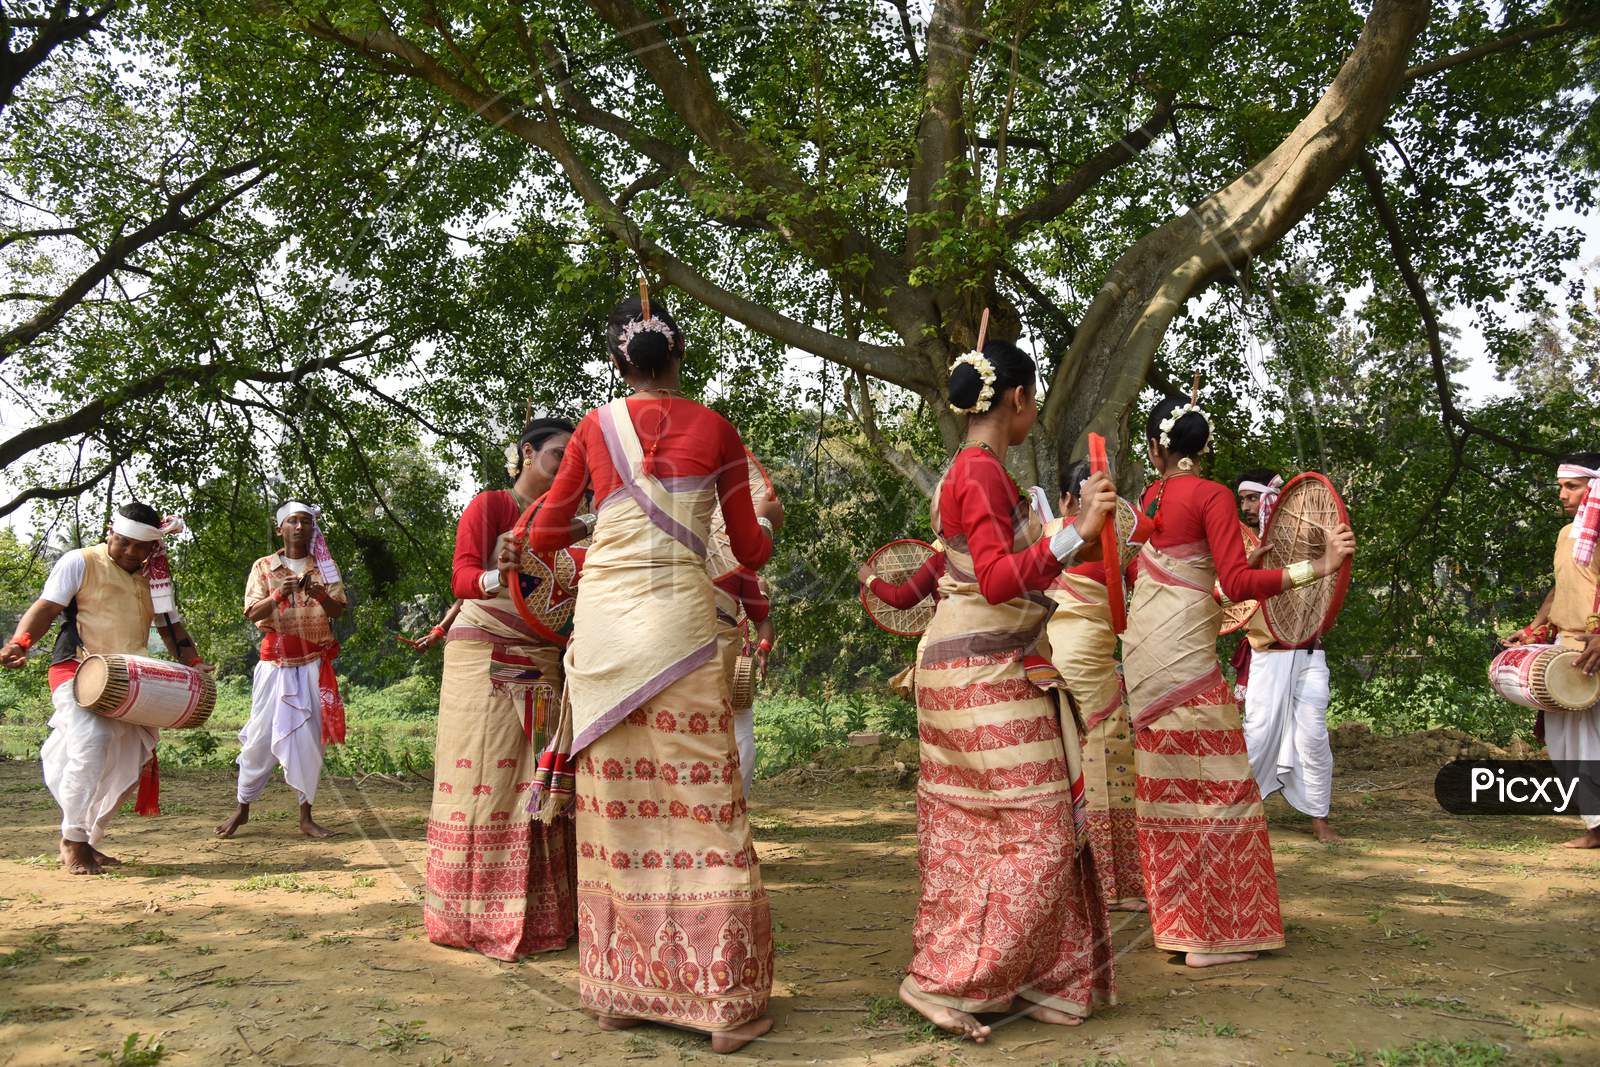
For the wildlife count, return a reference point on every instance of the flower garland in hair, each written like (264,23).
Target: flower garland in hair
(980,363)
(648,325)
(1171,421)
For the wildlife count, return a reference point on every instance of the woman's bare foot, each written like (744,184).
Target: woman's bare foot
(617,1022)
(1051,1015)
(1216,959)
(308,825)
(957,1022)
(725,1041)
(1589,839)
(103,859)
(1324,833)
(78,858)
(231,827)
(1129,905)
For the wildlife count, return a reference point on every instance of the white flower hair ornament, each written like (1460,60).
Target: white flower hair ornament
(1171,421)
(980,363)
(648,325)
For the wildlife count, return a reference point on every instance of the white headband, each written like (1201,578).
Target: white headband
(295,507)
(1253,487)
(139,531)
(1572,470)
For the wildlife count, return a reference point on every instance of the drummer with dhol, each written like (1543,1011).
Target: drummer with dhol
(1570,616)
(109,595)
(292,596)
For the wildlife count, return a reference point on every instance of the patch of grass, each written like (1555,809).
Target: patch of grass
(153,937)
(402,1036)
(41,860)
(289,883)
(334,939)
(1559,1028)
(39,1013)
(884,1012)
(294,933)
(36,948)
(204,950)
(133,1054)
(363,881)
(1471,1053)
(639,1045)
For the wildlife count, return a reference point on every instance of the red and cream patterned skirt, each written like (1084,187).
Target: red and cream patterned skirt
(498,882)
(1202,832)
(1108,775)
(673,923)
(1010,907)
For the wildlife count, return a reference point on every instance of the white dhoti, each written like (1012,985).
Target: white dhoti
(91,765)
(744,737)
(285,729)
(1286,728)
(1574,736)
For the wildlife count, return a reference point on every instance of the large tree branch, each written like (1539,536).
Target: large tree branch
(858,403)
(175,218)
(547,135)
(1053,201)
(62,492)
(58,28)
(1452,415)
(88,418)
(941,128)
(1096,385)
(809,223)
(1510,39)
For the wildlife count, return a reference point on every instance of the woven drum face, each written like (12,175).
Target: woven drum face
(546,588)
(896,562)
(720,560)
(1307,511)
(89,684)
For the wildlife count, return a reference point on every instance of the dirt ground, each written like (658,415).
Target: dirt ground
(276,950)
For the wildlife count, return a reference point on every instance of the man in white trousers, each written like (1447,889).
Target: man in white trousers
(1570,616)
(109,595)
(292,596)
(1286,695)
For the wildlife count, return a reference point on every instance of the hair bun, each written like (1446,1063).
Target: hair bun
(965,385)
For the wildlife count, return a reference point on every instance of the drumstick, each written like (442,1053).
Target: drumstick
(983,329)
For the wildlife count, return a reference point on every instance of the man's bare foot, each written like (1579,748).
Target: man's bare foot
(1129,905)
(103,859)
(725,1041)
(1324,833)
(78,858)
(617,1022)
(308,825)
(1589,839)
(1216,959)
(231,827)
(957,1022)
(1051,1015)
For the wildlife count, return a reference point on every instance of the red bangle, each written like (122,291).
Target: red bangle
(764,646)
(24,640)
(437,631)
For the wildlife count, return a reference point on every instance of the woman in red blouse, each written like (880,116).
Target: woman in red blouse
(675,924)
(1203,841)
(1010,916)
(498,882)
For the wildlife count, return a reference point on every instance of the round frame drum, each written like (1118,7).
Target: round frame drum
(744,683)
(895,562)
(1545,678)
(720,560)
(145,691)
(545,592)
(1307,511)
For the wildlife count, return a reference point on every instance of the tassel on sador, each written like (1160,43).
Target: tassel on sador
(148,801)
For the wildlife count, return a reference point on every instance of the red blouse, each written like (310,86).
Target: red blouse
(744,586)
(1095,571)
(681,439)
(915,589)
(490,514)
(1194,509)
(979,501)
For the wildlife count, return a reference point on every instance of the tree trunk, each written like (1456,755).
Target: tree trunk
(1099,381)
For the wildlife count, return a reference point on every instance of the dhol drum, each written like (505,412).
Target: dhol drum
(1545,678)
(145,691)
